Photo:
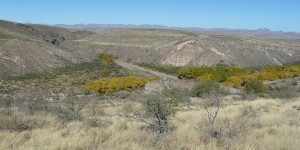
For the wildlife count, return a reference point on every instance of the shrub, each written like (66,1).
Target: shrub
(160,107)
(70,109)
(106,59)
(236,77)
(234,81)
(205,77)
(255,86)
(104,72)
(206,88)
(111,85)
(218,73)
(226,128)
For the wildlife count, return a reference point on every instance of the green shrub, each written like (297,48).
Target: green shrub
(106,59)
(206,88)
(255,86)
(160,107)
(218,73)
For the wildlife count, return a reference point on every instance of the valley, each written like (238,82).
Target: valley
(147,88)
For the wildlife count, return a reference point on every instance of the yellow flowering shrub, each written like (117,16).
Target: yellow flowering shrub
(205,77)
(115,84)
(234,81)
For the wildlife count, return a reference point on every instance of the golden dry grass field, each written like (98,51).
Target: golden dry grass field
(275,126)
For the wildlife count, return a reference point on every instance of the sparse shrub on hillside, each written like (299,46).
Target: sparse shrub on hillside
(255,86)
(34,101)
(106,59)
(70,109)
(76,73)
(159,108)
(206,88)
(104,72)
(111,85)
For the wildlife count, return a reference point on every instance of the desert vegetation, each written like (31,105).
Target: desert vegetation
(158,121)
(236,77)
(100,105)
(111,85)
(89,87)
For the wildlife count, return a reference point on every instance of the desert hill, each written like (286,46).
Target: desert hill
(181,48)
(29,47)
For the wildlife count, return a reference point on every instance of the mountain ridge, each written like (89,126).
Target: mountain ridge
(258,33)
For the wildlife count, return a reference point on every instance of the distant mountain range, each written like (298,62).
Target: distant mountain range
(258,33)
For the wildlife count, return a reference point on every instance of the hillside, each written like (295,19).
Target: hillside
(29,48)
(181,48)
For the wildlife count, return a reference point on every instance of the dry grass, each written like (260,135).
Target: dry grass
(278,128)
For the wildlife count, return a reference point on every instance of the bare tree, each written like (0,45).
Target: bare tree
(212,111)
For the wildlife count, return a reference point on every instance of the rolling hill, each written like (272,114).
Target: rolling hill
(29,48)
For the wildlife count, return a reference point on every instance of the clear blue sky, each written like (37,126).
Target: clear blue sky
(251,14)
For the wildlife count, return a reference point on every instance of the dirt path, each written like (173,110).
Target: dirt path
(135,67)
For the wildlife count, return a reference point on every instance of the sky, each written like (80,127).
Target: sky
(276,15)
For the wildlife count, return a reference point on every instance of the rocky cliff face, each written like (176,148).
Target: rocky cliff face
(184,54)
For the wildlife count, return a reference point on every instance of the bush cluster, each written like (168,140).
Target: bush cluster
(219,73)
(115,84)
(236,77)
